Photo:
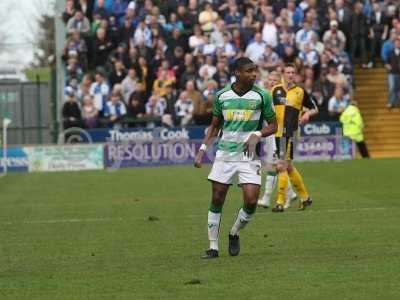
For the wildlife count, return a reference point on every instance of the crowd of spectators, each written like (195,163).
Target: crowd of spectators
(158,62)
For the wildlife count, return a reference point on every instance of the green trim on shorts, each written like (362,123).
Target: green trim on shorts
(272,173)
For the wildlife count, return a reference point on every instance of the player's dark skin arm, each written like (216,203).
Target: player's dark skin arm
(212,133)
(250,145)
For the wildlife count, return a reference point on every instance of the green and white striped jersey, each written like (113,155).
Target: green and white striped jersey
(242,115)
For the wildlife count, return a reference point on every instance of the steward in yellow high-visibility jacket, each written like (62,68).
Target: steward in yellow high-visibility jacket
(353,126)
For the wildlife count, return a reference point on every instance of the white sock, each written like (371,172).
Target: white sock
(241,221)
(214,220)
(290,193)
(270,183)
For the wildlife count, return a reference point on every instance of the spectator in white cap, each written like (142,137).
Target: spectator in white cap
(334,34)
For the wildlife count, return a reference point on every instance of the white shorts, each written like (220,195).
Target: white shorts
(225,172)
(270,150)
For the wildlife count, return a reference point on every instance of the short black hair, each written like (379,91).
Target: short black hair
(240,62)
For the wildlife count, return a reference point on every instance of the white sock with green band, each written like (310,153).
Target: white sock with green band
(214,220)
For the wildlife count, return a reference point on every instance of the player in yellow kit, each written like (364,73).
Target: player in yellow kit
(271,158)
(289,101)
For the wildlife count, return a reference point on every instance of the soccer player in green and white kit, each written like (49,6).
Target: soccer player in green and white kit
(240,110)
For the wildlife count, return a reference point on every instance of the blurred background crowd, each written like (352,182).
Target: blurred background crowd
(159,62)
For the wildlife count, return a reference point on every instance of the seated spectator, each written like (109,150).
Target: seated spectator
(84,87)
(99,90)
(166,67)
(222,76)
(89,113)
(176,61)
(142,34)
(184,109)
(184,17)
(284,18)
(118,73)
(100,9)
(284,43)
(119,7)
(194,95)
(173,23)
(233,18)
(177,39)
(114,110)
(217,36)
(303,36)
(207,17)
(155,17)
(129,84)
(208,107)
(86,6)
(189,74)
(308,56)
(79,22)
(160,84)
(316,44)
(71,111)
(169,117)
(322,104)
(211,88)
(270,31)
(121,54)
(78,44)
(197,38)
(209,67)
(208,48)
(334,37)
(290,55)
(336,77)
(69,11)
(255,50)
(237,40)
(113,31)
(269,61)
(338,103)
(101,47)
(155,108)
(157,31)
(126,31)
(247,31)
(73,69)
(135,110)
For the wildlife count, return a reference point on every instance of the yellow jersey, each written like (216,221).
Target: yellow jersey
(288,105)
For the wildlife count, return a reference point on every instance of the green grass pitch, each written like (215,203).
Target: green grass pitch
(139,233)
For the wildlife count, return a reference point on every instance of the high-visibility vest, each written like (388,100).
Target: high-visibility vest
(352,123)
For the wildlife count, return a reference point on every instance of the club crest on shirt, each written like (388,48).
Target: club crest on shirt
(253,104)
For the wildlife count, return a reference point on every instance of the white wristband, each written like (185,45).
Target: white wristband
(203,147)
(258,133)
